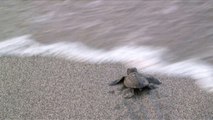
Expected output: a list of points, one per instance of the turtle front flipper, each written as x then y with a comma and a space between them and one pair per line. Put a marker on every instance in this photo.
117, 81
153, 80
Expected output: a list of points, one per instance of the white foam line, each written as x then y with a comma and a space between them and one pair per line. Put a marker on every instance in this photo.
143, 57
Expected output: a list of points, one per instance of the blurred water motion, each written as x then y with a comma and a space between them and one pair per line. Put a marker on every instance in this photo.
183, 28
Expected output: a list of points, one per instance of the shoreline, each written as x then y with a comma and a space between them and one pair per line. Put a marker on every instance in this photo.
47, 88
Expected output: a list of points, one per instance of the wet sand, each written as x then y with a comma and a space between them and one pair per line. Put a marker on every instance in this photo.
47, 88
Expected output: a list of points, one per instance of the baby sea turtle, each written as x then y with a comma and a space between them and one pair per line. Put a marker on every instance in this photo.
135, 80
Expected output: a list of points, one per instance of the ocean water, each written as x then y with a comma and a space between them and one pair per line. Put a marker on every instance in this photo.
172, 37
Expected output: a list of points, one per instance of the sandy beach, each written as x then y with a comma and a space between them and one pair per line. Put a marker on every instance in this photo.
34, 84
47, 88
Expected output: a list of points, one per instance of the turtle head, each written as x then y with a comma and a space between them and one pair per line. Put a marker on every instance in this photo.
131, 70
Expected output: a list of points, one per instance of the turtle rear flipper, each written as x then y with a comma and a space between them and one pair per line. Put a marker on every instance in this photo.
117, 81
129, 93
